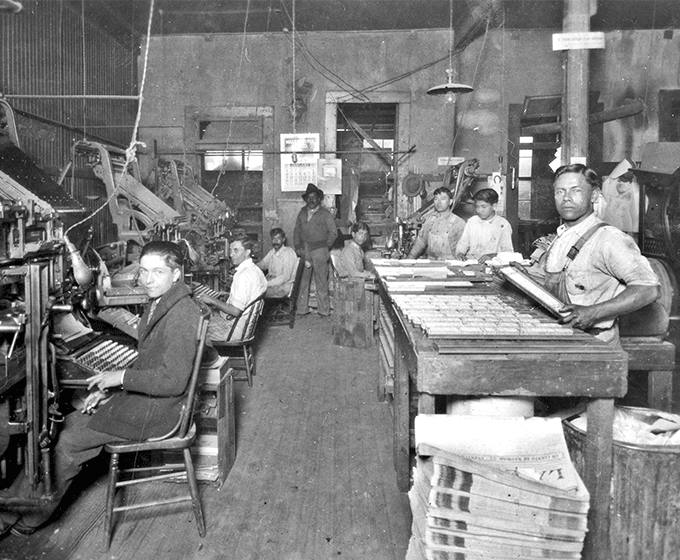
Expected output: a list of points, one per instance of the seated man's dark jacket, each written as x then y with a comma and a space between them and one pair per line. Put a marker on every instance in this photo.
154, 387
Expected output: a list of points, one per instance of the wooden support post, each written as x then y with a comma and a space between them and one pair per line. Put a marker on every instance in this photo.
597, 477
575, 101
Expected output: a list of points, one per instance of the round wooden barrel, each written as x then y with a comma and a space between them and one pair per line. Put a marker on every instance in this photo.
645, 496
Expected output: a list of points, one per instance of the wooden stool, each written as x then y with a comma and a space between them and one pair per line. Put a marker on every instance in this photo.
353, 314
218, 379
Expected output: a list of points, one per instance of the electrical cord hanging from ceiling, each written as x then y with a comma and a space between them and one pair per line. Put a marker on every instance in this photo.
502, 100
338, 81
473, 83
408, 74
314, 62
294, 81
130, 152
82, 34
473, 33
481, 26
237, 83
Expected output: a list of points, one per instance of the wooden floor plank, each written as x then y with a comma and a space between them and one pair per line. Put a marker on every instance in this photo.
313, 477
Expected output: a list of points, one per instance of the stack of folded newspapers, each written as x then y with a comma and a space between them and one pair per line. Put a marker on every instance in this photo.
514, 501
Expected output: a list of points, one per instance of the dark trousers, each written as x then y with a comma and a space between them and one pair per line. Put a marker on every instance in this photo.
319, 260
77, 444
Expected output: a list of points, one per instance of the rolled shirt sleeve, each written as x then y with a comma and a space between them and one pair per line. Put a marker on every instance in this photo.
463, 245
605, 266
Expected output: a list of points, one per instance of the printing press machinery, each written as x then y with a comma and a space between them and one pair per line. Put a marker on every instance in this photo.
458, 178
56, 309
43, 280
212, 221
174, 182
179, 211
35, 285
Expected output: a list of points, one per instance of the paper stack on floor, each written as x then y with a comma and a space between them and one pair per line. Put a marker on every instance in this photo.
497, 488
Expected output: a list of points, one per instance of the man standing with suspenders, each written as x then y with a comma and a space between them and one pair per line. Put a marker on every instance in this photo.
596, 269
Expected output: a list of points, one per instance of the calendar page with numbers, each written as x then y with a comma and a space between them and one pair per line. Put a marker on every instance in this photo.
299, 156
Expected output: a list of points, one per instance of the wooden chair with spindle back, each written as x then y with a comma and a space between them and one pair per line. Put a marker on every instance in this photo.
281, 310
241, 338
180, 438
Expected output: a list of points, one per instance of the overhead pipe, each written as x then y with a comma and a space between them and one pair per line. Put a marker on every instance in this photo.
32, 96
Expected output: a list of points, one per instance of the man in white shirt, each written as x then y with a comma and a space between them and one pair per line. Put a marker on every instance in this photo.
280, 264
486, 234
247, 285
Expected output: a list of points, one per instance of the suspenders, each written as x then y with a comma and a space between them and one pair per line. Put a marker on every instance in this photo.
574, 251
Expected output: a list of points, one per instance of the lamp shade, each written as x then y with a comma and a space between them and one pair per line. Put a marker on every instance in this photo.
449, 87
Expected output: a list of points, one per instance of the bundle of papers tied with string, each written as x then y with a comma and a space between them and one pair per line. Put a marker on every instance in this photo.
496, 488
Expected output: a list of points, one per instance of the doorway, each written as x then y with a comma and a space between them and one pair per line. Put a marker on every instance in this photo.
365, 140
533, 140
368, 151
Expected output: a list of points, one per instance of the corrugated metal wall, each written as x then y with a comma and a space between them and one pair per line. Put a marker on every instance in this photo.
51, 49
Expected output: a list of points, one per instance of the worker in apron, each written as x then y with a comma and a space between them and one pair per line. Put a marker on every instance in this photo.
595, 269
441, 231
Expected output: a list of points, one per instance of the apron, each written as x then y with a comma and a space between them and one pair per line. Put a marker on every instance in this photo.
438, 245
556, 284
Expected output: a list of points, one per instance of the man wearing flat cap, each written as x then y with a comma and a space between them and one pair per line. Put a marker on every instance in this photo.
314, 234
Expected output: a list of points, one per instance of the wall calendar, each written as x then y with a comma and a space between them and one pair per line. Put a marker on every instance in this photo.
299, 155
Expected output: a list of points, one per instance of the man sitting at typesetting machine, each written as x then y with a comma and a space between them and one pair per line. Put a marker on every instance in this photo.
136, 403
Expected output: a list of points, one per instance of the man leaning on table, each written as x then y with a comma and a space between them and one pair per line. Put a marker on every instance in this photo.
441, 231
595, 268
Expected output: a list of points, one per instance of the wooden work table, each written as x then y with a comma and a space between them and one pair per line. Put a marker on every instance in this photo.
576, 366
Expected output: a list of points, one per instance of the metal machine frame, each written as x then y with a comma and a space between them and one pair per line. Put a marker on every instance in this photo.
130, 202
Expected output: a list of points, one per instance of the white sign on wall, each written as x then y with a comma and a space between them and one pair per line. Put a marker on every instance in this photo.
329, 173
580, 40
449, 161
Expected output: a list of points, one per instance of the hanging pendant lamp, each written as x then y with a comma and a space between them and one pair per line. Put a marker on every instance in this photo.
450, 88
